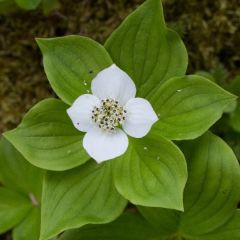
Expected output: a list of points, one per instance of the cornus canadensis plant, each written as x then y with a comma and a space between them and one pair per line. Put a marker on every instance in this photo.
112, 105
134, 85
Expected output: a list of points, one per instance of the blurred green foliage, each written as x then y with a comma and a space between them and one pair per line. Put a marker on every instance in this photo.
10, 6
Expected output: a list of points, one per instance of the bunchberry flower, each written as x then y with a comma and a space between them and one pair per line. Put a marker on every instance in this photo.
110, 113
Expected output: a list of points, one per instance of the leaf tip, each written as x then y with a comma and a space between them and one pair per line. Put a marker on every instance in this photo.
7, 135
10, 136
178, 203
232, 95
41, 43
181, 207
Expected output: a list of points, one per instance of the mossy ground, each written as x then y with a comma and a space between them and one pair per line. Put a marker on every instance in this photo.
210, 29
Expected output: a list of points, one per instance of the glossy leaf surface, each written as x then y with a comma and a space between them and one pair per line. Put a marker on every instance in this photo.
146, 49
71, 63
152, 172
47, 138
78, 197
187, 106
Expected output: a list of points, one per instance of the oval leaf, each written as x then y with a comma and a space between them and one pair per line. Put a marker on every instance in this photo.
211, 194
77, 197
187, 106
235, 118
71, 63
28, 4
29, 228
47, 138
152, 172
16, 173
146, 49
231, 230
13, 208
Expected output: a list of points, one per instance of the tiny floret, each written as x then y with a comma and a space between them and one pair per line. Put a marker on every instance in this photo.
111, 113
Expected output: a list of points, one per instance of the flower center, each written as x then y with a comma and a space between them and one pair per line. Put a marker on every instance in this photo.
109, 114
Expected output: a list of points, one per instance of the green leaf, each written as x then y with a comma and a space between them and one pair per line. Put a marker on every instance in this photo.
233, 139
207, 75
235, 118
28, 4
13, 208
47, 138
211, 194
234, 86
71, 63
146, 49
29, 228
212, 197
7, 6
77, 197
231, 230
152, 172
165, 220
50, 5
130, 226
16, 173
187, 106
23, 184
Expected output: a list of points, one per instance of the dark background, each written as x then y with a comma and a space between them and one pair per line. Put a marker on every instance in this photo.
210, 29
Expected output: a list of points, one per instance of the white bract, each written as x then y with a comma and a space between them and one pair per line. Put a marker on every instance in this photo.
110, 113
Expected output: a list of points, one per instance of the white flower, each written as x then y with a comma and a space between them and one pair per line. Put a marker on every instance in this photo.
111, 106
